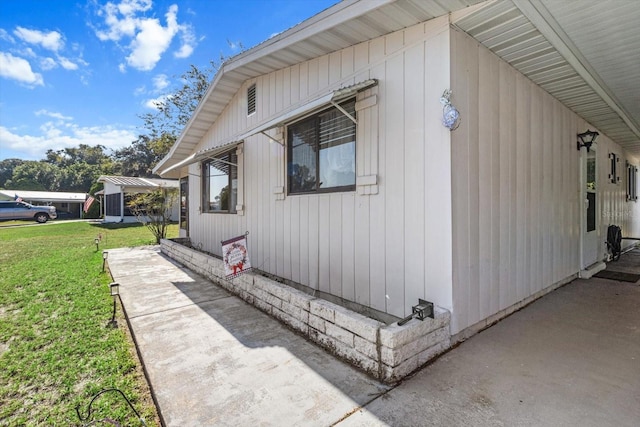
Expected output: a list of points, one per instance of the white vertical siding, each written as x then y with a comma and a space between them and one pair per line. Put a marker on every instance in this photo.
517, 200
386, 247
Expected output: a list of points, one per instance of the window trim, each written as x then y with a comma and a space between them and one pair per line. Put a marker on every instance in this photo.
204, 201
316, 115
183, 221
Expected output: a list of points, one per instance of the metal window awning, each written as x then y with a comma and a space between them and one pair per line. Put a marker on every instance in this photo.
198, 156
298, 110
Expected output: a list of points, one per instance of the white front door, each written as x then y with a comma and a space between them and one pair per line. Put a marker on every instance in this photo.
590, 207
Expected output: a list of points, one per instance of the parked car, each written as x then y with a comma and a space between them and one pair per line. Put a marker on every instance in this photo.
22, 210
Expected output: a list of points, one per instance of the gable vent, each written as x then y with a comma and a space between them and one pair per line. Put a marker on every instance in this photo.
251, 100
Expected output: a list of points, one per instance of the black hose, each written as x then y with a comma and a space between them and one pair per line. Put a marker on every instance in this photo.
100, 394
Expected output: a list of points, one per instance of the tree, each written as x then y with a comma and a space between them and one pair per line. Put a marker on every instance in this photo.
91, 155
36, 175
153, 209
6, 170
142, 155
176, 108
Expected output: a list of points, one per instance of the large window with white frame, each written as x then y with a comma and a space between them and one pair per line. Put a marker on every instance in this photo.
321, 152
220, 183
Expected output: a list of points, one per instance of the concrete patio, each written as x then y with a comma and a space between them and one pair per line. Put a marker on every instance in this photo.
570, 358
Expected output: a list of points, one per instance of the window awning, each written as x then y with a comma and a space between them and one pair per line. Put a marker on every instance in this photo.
198, 156
296, 111
300, 110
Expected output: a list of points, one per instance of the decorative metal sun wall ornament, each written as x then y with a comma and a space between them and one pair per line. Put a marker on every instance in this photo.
450, 114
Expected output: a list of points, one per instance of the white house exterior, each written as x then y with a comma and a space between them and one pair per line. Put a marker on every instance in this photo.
117, 190
479, 220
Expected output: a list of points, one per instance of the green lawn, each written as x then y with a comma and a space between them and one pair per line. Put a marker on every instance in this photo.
56, 352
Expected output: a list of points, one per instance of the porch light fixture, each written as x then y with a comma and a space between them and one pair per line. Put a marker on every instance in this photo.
105, 255
114, 288
587, 138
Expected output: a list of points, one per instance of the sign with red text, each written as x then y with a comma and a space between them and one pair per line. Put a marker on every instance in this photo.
235, 256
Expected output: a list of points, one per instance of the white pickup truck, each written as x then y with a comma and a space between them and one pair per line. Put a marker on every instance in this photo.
22, 210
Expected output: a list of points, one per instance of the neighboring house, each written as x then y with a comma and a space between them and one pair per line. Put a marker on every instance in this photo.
118, 191
68, 205
326, 143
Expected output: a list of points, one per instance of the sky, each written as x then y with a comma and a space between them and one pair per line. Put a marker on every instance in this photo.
83, 71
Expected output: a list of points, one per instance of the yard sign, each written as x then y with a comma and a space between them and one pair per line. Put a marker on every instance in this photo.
235, 256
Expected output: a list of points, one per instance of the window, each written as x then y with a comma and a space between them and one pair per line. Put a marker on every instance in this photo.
322, 152
184, 203
220, 183
113, 203
251, 100
632, 180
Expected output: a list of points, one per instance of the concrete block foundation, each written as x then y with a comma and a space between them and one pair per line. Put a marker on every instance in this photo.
387, 352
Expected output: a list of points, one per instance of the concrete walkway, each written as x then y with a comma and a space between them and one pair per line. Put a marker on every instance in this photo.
571, 358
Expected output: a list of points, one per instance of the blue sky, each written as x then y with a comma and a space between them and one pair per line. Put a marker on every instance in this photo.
82, 71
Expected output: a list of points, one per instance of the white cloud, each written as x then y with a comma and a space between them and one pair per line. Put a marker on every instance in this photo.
160, 82
152, 104
4, 35
48, 63
28, 52
188, 39
67, 64
19, 69
140, 90
117, 28
152, 41
129, 7
54, 115
60, 135
51, 40
149, 38
185, 51
39, 49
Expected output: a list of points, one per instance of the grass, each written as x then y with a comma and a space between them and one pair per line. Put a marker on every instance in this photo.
56, 352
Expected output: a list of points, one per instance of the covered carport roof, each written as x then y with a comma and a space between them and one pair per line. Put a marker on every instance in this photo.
44, 196
133, 183
585, 53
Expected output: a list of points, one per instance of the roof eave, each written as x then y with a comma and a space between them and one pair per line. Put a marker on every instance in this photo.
339, 13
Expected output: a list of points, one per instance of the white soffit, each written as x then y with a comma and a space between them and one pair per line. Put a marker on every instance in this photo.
347, 23
585, 53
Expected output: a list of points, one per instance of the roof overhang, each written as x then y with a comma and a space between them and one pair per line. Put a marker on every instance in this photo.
44, 196
137, 183
584, 53
345, 24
